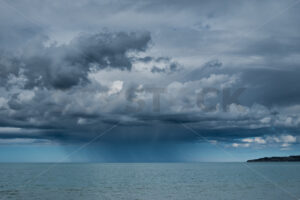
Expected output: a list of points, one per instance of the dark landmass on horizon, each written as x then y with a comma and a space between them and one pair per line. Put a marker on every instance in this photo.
277, 159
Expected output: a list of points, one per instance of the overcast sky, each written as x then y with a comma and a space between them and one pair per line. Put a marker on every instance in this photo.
149, 80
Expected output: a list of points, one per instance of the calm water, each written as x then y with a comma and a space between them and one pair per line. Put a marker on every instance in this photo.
150, 181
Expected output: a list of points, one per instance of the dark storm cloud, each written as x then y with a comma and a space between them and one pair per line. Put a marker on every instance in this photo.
171, 67
64, 66
166, 64
148, 59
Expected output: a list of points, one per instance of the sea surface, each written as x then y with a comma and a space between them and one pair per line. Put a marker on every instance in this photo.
150, 181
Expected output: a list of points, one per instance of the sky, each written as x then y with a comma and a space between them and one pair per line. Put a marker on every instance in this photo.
148, 81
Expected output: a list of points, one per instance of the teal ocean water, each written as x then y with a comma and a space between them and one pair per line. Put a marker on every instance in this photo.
150, 181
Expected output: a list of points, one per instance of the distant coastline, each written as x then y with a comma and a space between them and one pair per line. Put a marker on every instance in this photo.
277, 159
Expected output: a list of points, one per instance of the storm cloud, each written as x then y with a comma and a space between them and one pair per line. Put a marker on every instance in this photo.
63, 66
68, 73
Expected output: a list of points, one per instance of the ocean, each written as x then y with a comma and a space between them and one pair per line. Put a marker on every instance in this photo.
150, 181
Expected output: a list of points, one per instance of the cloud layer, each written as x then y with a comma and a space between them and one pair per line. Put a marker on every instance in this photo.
66, 76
